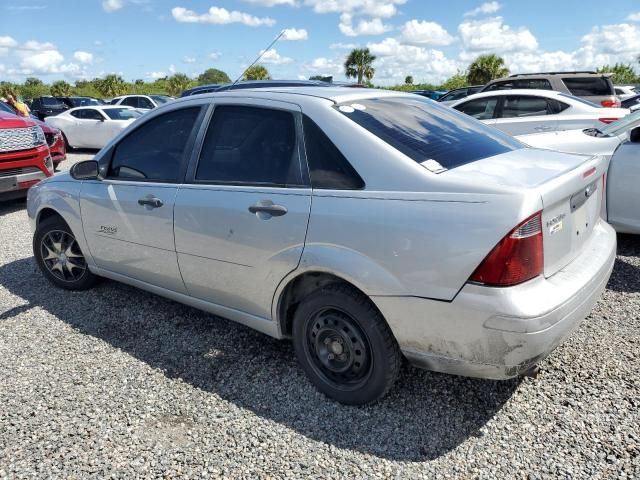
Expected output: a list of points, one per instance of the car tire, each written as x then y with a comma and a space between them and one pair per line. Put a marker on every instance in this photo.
59, 256
345, 346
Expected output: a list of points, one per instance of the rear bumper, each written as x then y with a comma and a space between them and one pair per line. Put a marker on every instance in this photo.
500, 333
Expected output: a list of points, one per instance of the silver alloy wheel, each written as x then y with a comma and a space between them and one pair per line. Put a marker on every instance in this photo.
62, 256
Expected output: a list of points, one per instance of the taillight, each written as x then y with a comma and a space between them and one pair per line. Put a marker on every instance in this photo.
610, 103
608, 120
518, 257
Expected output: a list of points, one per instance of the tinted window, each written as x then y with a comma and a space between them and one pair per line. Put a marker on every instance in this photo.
524, 106
160, 99
130, 102
247, 145
328, 168
630, 102
528, 83
35, 104
455, 95
50, 102
581, 100
77, 113
145, 103
481, 108
91, 114
122, 113
154, 151
556, 106
587, 86
426, 131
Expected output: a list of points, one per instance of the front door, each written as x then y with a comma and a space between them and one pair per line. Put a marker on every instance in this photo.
128, 216
623, 195
241, 217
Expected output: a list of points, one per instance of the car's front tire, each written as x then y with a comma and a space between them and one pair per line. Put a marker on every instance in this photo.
59, 256
345, 346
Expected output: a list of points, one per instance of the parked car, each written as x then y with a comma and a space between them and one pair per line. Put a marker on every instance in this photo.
73, 102
52, 135
43, 107
255, 84
144, 102
93, 127
619, 141
519, 112
458, 94
432, 94
632, 103
24, 155
363, 224
592, 86
625, 91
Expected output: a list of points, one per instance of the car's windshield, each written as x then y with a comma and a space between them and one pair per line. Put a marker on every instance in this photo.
122, 113
623, 125
84, 101
6, 108
159, 99
435, 136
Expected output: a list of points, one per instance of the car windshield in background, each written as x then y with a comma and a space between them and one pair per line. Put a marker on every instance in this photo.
160, 99
623, 125
581, 100
437, 137
588, 86
84, 102
122, 113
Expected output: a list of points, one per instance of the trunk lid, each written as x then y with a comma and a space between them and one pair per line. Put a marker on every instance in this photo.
570, 188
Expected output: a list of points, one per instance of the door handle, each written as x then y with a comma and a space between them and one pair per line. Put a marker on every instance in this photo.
542, 129
150, 201
269, 208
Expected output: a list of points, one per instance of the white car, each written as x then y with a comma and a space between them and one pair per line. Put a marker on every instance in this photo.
143, 102
625, 91
524, 111
92, 127
620, 141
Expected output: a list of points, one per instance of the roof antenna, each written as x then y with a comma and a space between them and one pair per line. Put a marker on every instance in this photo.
257, 59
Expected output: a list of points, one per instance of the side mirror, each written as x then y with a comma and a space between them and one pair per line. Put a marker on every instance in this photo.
87, 170
634, 135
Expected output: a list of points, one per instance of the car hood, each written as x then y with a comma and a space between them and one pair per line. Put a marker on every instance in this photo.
9, 120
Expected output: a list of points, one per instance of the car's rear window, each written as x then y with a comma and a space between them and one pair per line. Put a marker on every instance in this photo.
438, 137
589, 86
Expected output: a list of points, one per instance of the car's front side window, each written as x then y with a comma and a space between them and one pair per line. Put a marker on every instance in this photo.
155, 150
130, 101
145, 103
480, 108
250, 146
523, 106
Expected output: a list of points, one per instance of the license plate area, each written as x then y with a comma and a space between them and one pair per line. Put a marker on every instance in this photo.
7, 183
583, 213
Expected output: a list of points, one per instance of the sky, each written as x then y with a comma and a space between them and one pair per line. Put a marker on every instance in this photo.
148, 39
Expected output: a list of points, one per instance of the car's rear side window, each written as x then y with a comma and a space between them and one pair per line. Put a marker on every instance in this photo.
589, 86
427, 132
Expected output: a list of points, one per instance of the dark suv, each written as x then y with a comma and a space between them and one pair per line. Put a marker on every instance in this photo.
43, 107
593, 86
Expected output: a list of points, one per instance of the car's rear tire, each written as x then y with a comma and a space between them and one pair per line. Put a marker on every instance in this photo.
345, 346
59, 256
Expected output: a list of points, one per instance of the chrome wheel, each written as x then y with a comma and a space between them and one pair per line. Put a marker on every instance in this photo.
338, 349
62, 256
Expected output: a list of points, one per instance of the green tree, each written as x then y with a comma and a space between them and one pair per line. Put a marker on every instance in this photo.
486, 68
213, 75
60, 89
359, 65
622, 74
33, 87
458, 80
177, 83
111, 85
257, 72
408, 80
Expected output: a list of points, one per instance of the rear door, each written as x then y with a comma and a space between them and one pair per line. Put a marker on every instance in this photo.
241, 217
128, 216
524, 114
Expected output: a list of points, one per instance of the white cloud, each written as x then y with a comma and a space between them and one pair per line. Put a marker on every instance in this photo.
634, 17
7, 42
484, 9
188, 59
293, 34
614, 39
363, 27
492, 34
172, 69
215, 55
272, 57
273, 3
35, 46
415, 32
371, 8
112, 5
155, 75
343, 46
325, 67
219, 16
83, 57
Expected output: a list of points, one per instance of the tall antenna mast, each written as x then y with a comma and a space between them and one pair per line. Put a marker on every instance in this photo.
257, 59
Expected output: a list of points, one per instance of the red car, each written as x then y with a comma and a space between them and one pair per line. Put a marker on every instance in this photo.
24, 155
55, 141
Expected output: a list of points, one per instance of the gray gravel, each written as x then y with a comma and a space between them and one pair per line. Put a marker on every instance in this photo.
119, 383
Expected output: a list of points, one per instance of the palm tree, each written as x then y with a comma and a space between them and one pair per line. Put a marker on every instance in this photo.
408, 80
60, 89
359, 64
112, 85
485, 68
177, 83
257, 72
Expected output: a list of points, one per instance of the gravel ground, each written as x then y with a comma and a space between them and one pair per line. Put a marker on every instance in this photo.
119, 383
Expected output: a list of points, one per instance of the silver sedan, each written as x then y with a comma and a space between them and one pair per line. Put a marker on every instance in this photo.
365, 225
